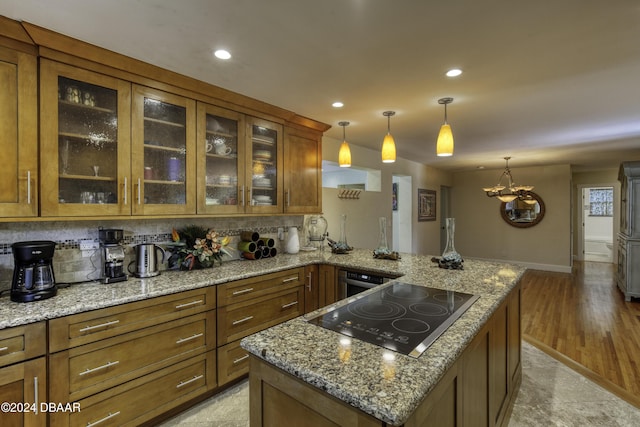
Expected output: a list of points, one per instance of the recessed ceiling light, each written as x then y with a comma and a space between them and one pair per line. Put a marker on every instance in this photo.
337, 104
454, 72
222, 54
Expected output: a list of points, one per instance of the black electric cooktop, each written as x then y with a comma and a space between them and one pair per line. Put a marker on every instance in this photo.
398, 316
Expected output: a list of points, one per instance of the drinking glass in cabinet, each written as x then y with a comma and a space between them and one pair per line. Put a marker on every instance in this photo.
87, 140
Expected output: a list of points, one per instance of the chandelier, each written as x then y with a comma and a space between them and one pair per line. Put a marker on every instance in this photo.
512, 191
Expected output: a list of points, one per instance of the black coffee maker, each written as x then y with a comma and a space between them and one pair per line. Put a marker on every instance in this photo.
33, 277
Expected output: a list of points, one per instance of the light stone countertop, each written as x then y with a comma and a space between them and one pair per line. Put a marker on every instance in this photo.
388, 390
363, 375
94, 295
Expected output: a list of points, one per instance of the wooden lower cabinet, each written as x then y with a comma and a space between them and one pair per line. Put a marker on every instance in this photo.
478, 390
250, 305
144, 398
279, 399
311, 285
24, 383
125, 368
320, 286
233, 362
328, 291
23, 375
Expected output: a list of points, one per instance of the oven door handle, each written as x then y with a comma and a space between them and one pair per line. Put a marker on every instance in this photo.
367, 285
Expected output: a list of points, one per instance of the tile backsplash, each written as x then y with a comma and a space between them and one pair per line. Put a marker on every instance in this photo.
70, 264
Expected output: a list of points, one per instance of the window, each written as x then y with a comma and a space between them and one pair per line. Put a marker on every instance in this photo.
601, 202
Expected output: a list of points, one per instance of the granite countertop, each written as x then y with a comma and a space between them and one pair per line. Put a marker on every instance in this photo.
385, 384
94, 295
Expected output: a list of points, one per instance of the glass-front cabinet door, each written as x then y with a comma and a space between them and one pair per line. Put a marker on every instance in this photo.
264, 163
220, 161
85, 144
163, 153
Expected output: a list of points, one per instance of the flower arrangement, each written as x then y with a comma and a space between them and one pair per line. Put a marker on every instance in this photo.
197, 247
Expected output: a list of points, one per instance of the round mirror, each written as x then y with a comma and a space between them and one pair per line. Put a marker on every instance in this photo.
523, 213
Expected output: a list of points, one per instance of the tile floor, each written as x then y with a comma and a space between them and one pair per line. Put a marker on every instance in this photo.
551, 394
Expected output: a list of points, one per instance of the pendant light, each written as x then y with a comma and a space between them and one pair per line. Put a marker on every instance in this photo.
511, 191
388, 145
344, 156
444, 146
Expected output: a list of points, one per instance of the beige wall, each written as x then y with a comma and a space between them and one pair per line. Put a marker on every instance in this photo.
482, 233
362, 214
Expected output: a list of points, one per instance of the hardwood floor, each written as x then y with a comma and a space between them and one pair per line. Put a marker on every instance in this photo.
582, 319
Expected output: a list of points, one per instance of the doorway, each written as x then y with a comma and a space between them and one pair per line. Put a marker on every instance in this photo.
401, 214
597, 224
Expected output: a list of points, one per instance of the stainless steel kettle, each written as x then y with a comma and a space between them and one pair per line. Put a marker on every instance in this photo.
146, 260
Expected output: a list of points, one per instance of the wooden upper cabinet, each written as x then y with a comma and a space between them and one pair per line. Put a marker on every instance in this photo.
84, 142
163, 153
264, 162
303, 171
18, 134
221, 148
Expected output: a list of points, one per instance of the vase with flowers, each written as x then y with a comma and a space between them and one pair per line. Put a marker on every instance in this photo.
196, 247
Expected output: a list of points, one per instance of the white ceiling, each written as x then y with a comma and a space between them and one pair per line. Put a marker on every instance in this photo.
545, 82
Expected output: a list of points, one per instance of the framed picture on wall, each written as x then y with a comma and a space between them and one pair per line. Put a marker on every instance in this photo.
394, 196
426, 205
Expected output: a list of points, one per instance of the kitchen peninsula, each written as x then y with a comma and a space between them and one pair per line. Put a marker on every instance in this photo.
89, 324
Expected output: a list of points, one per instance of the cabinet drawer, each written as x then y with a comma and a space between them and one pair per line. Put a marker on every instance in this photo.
145, 398
245, 318
233, 362
95, 367
22, 342
78, 329
246, 289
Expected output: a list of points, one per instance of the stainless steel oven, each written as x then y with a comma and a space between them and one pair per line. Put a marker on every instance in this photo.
353, 282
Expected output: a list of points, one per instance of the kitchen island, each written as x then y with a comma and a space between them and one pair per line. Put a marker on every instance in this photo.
303, 373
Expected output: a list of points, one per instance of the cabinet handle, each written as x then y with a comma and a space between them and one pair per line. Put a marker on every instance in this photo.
189, 381
28, 187
291, 304
99, 368
290, 279
236, 322
4, 348
242, 291
240, 359
108, 417
288, 198
242, 195
192, 337
35, 394
188, 304
309, 285
101, 325
125, 191
139, 191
